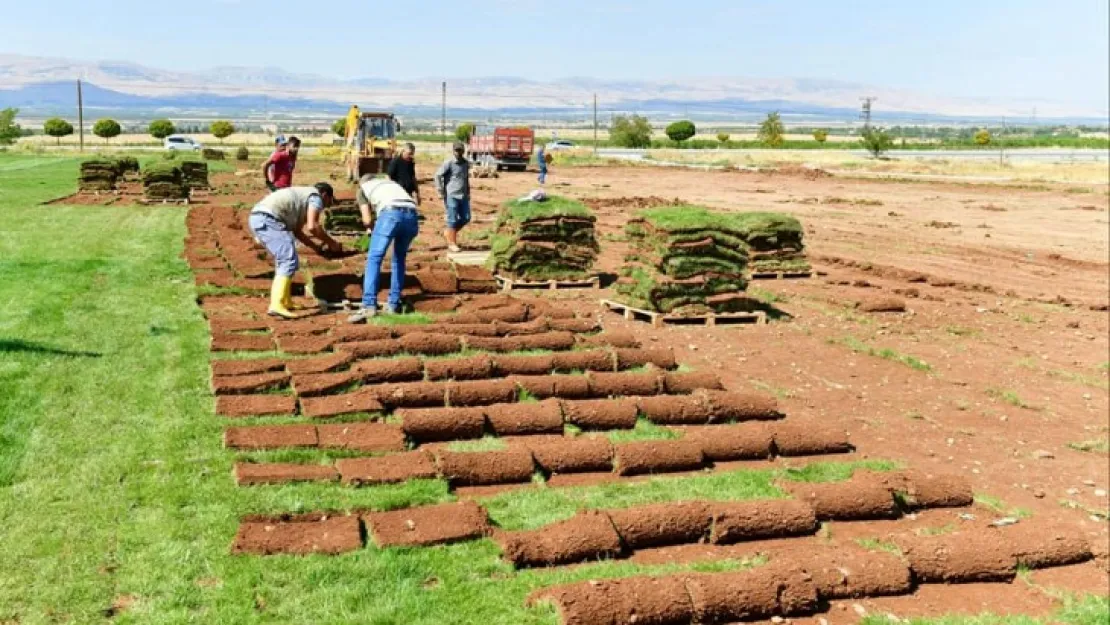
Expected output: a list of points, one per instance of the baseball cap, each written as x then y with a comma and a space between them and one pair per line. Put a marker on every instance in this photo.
280, 139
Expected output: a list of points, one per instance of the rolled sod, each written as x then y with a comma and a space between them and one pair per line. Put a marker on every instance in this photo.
538, 386
305, 344
388, 469
738, 406
412, 394
613, 338
587, 360
601, 414
270, 436
808, 437
853, 500
316, 384
758, 593
656, 525
545, 417
248, 383
738, 441
367, 332
548, 340
329, 535
251, 473
246, 367
378, 348
538, 364
513, 313
1040, 545
752, 520
428, 525
675, 409
632, 358
639, 600
657, 456
482, 468
480, 392
367, 437
623, 384
575, 325
845, 572
360, 401
429, 344
685, 383
470, 368
981, 555
389, 370
442, 424
588, 535
317, 364
255, 405
924, 490
572, 455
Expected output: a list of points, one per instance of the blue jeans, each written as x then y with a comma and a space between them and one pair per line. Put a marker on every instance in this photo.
398, 227
543, 174
458, 212
278, 240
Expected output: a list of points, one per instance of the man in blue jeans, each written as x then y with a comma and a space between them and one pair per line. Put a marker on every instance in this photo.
389, 214
453, 184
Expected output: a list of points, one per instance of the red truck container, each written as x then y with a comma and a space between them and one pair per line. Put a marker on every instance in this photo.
499, 147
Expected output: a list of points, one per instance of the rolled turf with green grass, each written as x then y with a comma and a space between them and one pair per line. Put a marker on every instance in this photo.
550, 240
164, 181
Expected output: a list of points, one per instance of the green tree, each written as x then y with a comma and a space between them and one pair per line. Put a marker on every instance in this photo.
820, 135
57, 127
161, 128
771, 131
465, 131
340, 127
9, 130
876, 140
681, 131
630, 131
106, 129
722, 137
983, 137
221, 129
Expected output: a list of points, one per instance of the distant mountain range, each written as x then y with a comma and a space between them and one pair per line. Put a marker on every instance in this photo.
45, 86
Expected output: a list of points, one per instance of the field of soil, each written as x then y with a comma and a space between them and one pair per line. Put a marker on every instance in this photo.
957, 330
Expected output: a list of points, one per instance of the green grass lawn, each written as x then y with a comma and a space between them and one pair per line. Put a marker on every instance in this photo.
115, 488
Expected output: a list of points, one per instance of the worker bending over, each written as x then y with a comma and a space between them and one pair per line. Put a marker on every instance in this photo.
390, 217
281, 219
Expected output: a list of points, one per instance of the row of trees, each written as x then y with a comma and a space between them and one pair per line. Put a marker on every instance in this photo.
109, 128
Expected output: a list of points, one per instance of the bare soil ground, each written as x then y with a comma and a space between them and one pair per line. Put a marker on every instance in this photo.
998, 369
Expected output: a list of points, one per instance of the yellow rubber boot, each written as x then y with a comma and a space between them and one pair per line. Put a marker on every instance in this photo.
287, 295
278, 291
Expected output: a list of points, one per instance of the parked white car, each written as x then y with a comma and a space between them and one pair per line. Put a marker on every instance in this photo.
177, 142
561, 144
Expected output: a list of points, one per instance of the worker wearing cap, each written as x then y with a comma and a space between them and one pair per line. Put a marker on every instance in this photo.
389, 215
281, 219
453, 183
278, 169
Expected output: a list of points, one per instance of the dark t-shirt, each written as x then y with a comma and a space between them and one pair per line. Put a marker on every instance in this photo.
403, 173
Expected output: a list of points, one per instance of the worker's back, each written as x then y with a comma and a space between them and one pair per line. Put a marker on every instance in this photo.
289, 205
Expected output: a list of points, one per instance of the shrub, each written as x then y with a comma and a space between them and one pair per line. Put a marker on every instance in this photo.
9, 130
630, 132
681, 131
161, 128
221, 129
106, 128
771, 131
983, 137
722, 137
820, 135
876, 141
209, 154
340, 127
242, 153
57, 127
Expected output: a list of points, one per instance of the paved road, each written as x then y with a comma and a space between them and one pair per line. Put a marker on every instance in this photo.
1045, 155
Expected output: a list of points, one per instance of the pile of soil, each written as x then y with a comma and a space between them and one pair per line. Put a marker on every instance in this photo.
549, 240
586, 536
250, 473
99, 174
389, 469
164, 181
428, 525
329, 535
255, 405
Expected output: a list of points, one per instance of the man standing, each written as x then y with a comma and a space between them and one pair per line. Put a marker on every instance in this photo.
453, 183
389, 214
402, 170
278, 169
541, 162
281, 219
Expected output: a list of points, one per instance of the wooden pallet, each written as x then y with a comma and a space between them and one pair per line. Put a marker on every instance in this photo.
508, 284
782, 275
659, 319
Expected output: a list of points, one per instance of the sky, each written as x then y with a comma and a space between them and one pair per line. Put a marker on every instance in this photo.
1053, 50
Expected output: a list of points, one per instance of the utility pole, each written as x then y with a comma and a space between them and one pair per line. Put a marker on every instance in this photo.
80, 118
865, 110
595, 124
443, 115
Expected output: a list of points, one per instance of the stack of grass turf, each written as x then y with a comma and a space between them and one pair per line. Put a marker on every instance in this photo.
684, 259
195, 174
210, 154
774, 242
549, 240
99, 174
128, 165
164, 181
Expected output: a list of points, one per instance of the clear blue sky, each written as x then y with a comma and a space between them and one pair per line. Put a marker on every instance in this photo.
1051, 49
